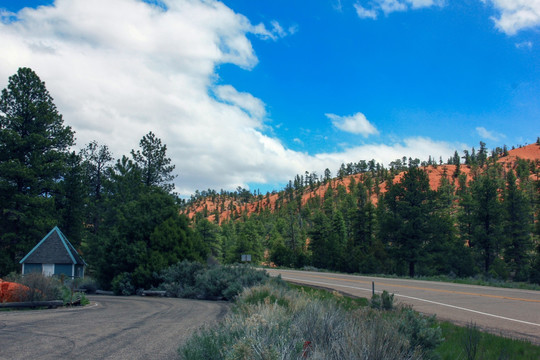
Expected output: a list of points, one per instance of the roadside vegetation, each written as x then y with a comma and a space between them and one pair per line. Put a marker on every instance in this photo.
470, 343
273, 321
193, 280
276, 320
37, 287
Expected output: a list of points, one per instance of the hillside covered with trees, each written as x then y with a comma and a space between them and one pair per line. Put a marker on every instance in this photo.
476, 213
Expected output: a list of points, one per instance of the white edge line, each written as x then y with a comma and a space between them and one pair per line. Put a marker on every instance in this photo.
415, 298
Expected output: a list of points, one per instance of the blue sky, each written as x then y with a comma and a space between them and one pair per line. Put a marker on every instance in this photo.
249, 93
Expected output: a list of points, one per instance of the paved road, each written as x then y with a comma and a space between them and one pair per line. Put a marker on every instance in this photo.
110, 328
514, 313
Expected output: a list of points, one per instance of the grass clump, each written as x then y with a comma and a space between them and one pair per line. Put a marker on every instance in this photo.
273, 321
469, 343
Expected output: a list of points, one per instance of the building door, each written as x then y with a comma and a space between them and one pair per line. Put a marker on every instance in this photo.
48, 269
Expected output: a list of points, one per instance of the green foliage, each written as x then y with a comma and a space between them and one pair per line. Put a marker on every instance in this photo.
143, 236
406, 222
422, 331
122, 284
385, 301
88, 284
193, 280
469, 343
487, 216
70, 297
34, 170
155, 166
471, 340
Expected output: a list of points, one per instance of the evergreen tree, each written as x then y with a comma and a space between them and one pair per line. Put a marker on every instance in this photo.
209, 234
97, 170
487, 218
318, 240
517, 228
34, 147
336, 242
70, 200
406, 222
155, 166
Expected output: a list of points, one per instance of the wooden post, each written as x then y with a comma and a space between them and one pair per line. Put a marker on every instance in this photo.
373, 288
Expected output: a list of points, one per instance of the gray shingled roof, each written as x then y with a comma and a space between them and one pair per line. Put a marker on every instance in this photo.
54, 248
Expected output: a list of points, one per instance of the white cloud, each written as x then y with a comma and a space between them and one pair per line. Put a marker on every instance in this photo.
415, 147
524, 45
355, 124
390, 6
364, 13
337, 5
417, 4
276, 32
119, 69
486, 134
247, 102
516, 15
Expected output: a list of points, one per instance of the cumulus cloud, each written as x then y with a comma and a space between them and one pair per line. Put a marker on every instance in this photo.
516, 15
355, 124
390, 6
490, 135
119, 69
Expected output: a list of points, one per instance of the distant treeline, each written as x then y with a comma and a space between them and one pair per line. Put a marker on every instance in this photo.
488, 225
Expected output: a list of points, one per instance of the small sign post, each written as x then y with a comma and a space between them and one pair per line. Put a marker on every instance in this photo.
246, 258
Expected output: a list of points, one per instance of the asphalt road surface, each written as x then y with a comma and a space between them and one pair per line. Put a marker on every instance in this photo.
109, 328
508, 312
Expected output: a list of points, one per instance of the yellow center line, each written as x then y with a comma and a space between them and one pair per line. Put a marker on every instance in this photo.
422, 288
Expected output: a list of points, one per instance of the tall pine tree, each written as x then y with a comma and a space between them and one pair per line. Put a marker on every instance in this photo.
34, 147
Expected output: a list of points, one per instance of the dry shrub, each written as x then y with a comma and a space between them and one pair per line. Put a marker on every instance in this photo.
37, 287
272, 322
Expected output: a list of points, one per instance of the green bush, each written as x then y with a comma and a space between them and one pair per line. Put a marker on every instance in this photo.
122, 284
179, 280
422, 332
88, 284
193, 280
385, 301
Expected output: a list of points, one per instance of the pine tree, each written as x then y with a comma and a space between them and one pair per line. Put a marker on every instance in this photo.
487, 218
34, 147
96, 161
517, 228
406, 222
155, 166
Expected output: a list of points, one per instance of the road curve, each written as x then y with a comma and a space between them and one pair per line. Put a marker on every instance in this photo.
109, 328
510, 312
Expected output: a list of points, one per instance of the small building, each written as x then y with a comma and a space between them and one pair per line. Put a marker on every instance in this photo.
54, 255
